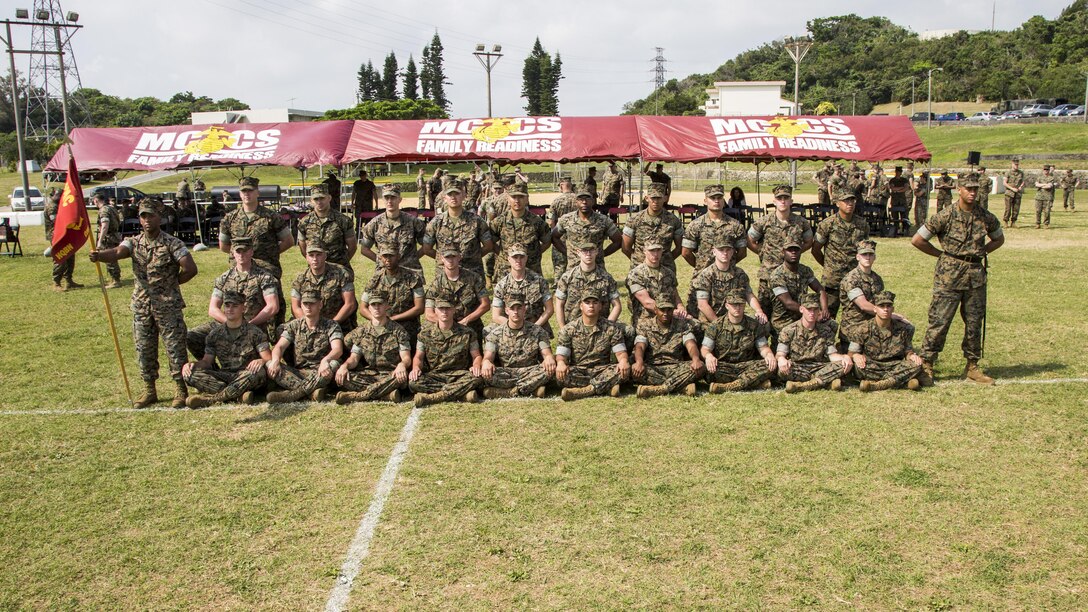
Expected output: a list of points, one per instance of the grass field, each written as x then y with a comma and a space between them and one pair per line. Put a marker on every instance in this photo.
956, 497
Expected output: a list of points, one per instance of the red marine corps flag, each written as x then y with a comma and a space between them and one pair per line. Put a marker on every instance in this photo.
72, 228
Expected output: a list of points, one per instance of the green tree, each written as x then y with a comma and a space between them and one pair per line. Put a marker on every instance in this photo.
826, 108
387, 89
368, 82
540, 77
389, 109
411, 80
432, 75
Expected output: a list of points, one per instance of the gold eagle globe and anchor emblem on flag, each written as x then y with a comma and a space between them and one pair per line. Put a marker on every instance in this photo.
211, 140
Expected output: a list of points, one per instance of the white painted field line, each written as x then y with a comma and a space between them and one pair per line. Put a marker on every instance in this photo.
360, 544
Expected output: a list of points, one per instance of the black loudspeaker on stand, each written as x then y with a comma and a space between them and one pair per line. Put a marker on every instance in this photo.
974, 158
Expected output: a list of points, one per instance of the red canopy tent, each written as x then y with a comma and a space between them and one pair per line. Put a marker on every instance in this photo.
185, 146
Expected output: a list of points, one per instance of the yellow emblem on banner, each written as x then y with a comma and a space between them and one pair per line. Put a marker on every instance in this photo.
211, 140
494, 130
784, 127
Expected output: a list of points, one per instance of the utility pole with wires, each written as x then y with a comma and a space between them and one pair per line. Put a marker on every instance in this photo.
659, 74
53, 74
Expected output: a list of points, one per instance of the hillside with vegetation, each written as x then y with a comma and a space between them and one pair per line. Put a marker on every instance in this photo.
863, 61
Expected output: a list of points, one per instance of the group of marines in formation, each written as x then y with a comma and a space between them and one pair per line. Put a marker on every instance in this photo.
404, 332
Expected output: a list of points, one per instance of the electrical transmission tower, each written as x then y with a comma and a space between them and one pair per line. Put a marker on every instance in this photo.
659, 73
51, 110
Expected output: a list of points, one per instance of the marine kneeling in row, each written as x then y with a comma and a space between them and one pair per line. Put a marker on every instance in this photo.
379, 359
447, 362
518, 358
668, 340
736, 350
584, 353
807, 356
240, 349
318, 343
882, 350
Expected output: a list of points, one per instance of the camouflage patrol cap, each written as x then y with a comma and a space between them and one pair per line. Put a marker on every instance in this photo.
517, 189
566, 180
969, 180
665, 304
736, 296
656, 190
884, 298
585, 245
1016, 160
791, 243
378, 296
315, 246
241, 243
583, 192
309, 296
233, 297
781, 190
247, 183
387, 248
592, 294
515, 299
517, 249
943, 171
444, 303
497, 184
150, 205
713, 190
391, 189
846, 195
653, 245
454, 187
449, 250
320, 190
810, 300
867, 247
722, 243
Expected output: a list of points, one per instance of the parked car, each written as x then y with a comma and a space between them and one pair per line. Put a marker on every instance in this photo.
18, 202
1035, 110
1078, 111
120, 194
1012, 114
923, 116
983, 116
1061, 110
90, 176
951, 117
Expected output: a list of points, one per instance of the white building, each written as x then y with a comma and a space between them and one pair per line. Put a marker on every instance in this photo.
746, 98
935, 34
263, 115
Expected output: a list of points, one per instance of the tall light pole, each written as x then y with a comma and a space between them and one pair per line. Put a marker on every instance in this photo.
1086, 97
797, 48
21, 13
488, 59
929, 113
912, 79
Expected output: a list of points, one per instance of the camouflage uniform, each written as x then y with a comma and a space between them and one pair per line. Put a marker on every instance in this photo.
660, 282
1015, 178
667, 361
333, 284
900, 200
576, 283
876, 188
959, 279
492, 208
333, 231
157, 303
773, 234
737, 348
467, 232
533, 288
839, 240
808, 351
821, 177
588, 351
700, 236
573, 230
612, 180
401, 288
65, 269
921, 200
795, 284
233, 350
561, 205
886, 352
265, 227
111, 237
405, 231
379, 347
448, 359
1069, 191
311, 346
985, 186
519, 357
713, 285
665, 228
465, 293
857, 284
944, 185
1044, 199
254, 287
837, 185
528, 231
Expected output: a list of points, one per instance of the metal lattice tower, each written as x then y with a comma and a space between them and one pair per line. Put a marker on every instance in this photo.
659, 68
51, 74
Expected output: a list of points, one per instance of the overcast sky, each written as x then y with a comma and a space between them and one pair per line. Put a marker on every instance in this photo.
305, 53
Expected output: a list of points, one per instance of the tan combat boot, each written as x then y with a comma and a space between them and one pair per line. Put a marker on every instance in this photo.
576, 393
736, 385
614, 391
497, 393
836, 385
347, 397
975, 374
320, 395
808, 385
150, 396
113, 284
199, 401
59, 287
690, 390
914, 385
925, 377
394, 396
880, 385
647, 391
282, 397
181, 393
540, 391
471, 397
767, 384
71, 284
247, 398
426, 399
